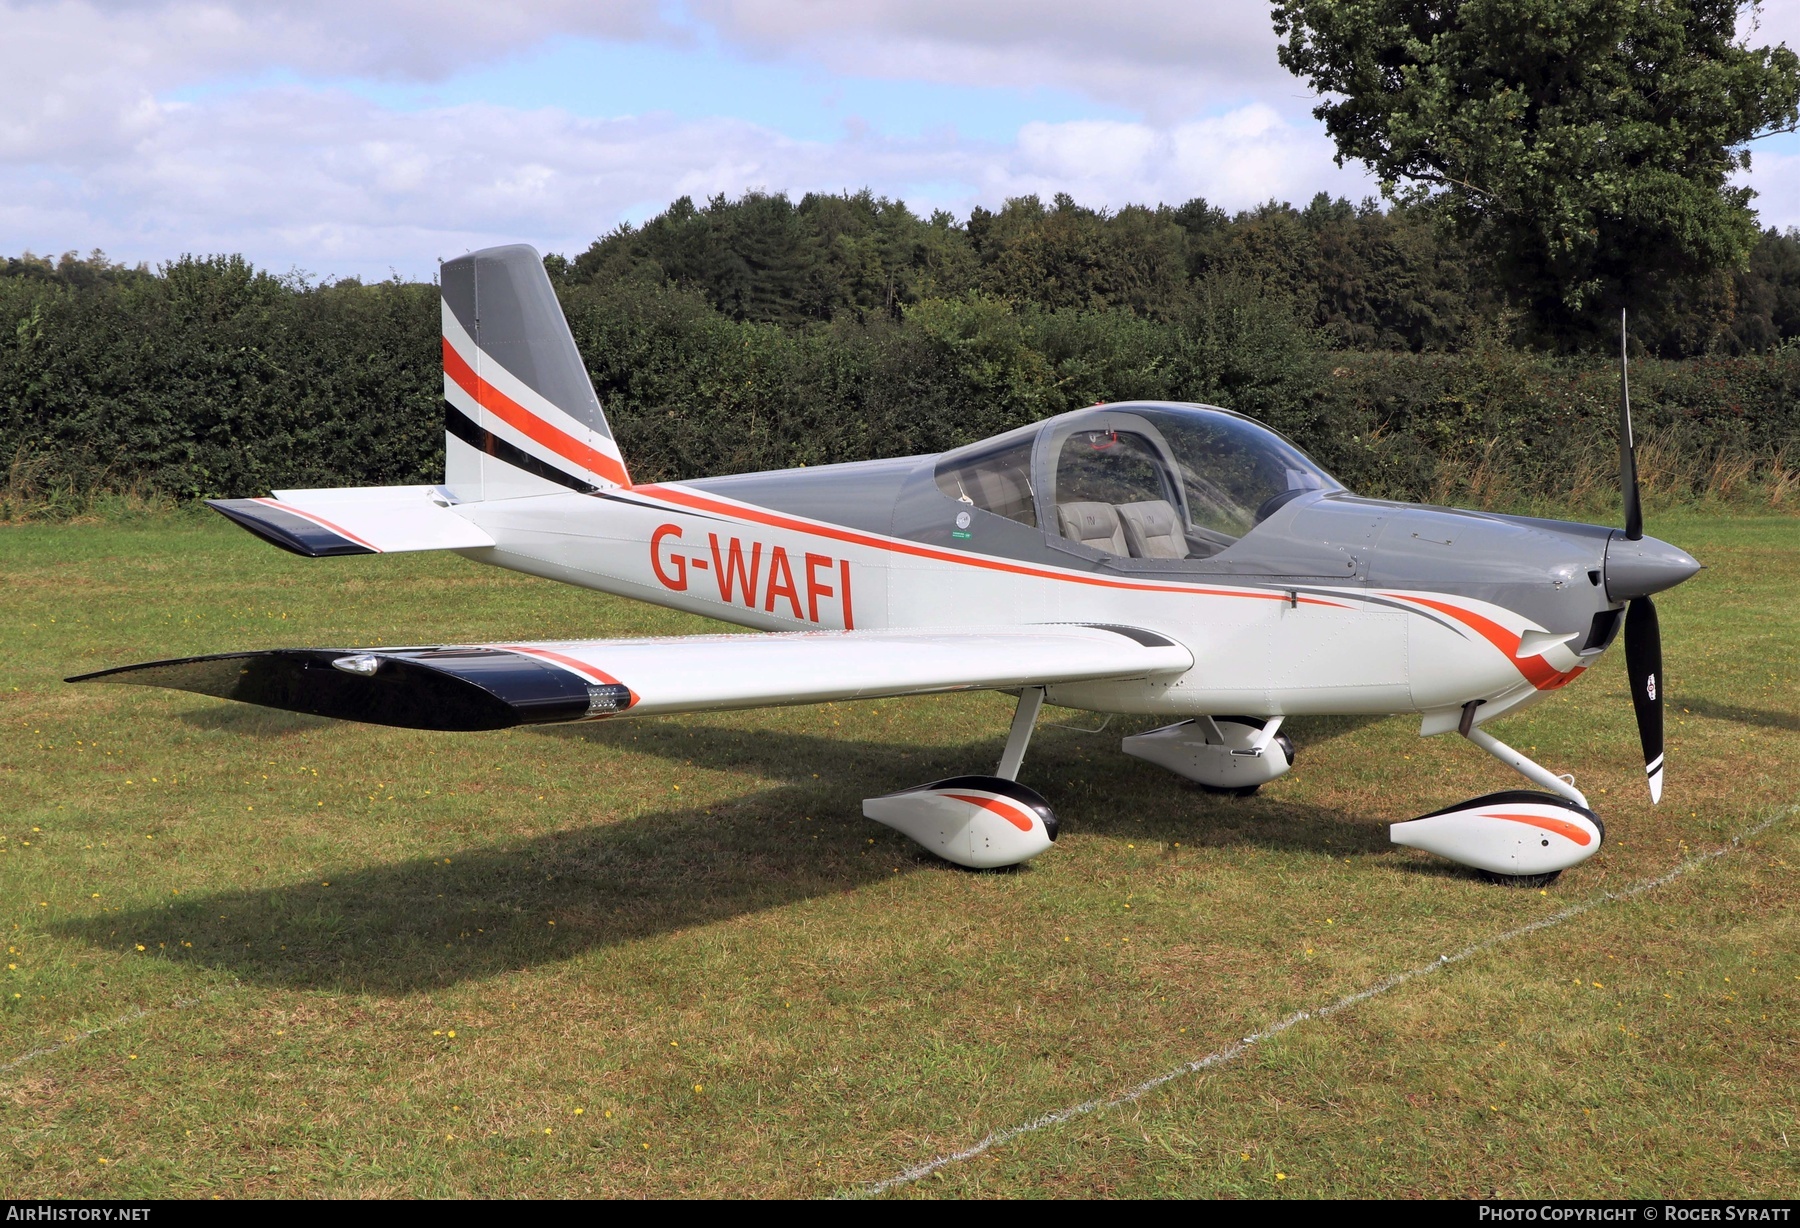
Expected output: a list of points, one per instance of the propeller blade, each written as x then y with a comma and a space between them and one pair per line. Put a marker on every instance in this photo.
1628, 478
1643, 664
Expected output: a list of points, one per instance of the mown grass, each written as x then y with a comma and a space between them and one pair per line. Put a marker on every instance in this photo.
668, 957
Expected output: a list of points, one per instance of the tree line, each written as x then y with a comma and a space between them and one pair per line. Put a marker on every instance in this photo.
762, 332
1363, 277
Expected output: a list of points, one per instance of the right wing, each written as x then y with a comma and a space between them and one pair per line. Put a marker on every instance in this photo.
494, 686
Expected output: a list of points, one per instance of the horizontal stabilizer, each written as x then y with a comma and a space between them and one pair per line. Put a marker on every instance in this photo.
498, 685
355, 520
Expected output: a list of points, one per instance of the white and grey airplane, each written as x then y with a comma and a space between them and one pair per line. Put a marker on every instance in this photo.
1145, 557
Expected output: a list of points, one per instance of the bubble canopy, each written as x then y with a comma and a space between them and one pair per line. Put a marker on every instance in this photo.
1154, 481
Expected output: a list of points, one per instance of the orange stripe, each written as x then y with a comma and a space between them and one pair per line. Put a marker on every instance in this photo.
1537, 671
321, 522
774, 520
1578, 834
527, 423
1005, 810
581, 667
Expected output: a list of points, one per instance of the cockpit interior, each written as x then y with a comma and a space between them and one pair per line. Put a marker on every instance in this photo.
1164, 482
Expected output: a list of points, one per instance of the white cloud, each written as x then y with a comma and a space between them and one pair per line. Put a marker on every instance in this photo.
1776, 178
1164, 58
1236, 160
1773, 21
94, 150
336, 184
84, 78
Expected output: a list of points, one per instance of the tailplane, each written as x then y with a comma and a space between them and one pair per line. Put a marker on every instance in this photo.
356, 520
520, 418
520, 414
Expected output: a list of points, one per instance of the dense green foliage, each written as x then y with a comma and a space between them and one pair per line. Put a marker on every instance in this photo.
1365, 278
764, 333
1587, 144
211, 377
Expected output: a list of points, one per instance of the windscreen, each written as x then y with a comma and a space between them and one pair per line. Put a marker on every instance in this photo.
1233, 472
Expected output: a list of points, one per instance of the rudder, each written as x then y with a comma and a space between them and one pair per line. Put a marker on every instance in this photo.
520, 414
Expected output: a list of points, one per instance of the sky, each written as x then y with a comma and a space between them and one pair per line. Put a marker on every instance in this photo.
375, 137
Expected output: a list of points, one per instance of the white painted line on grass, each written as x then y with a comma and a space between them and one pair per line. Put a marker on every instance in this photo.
120, 1022
1238, 1049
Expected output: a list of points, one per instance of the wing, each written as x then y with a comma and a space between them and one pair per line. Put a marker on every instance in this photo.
494, 686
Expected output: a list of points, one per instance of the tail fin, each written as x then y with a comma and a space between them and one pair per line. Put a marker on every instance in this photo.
520, 414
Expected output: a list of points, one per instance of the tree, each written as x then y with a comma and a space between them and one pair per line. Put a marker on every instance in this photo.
1586, 145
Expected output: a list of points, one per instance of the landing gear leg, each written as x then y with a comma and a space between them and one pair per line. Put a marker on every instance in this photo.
1536, 774
1031, 700
1520, 837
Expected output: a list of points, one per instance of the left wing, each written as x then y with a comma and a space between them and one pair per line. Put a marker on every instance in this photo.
494, 686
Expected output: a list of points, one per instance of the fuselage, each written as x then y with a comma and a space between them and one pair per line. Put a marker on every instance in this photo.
1328, 604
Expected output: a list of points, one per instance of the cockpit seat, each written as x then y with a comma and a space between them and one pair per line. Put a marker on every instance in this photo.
1092, 524
1002, 491
1152, 530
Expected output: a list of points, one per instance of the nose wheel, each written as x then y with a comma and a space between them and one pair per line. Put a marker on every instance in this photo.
1531, 881
1518, 838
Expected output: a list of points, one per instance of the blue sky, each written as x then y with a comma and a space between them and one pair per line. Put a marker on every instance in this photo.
589, 77
378, 136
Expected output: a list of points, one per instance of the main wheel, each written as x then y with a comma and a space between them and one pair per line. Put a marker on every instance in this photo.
1234, 791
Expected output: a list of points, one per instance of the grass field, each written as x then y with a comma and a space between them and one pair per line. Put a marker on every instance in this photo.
253, 953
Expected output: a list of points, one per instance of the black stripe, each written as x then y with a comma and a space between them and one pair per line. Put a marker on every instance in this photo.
1149, 639
646, 504
460, 425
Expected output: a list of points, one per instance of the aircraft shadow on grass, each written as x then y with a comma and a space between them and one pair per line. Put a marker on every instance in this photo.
1766, 718
423, 924
250, 721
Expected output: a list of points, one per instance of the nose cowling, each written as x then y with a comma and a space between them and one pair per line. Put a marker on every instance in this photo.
1645, 566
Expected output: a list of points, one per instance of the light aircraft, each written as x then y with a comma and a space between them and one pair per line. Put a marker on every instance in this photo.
1146, 557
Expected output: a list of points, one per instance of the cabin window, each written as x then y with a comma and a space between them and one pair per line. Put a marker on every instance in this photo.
1109, 467
1107, 481
996, 480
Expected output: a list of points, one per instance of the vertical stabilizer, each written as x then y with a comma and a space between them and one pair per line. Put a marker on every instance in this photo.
520, 414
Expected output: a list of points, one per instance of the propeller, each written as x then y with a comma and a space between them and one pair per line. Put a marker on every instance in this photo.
1643, 636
